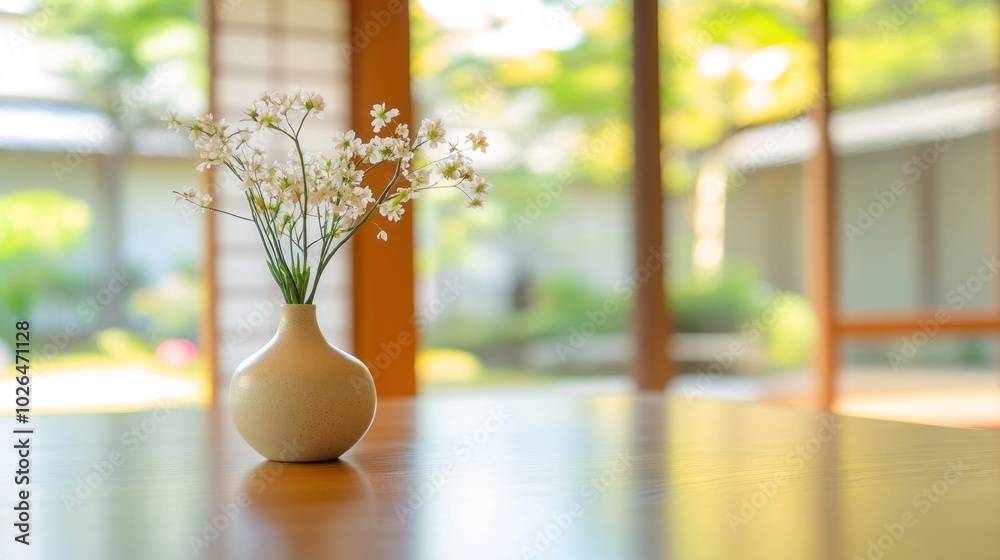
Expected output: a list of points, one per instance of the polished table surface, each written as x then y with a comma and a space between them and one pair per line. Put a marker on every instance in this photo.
515, 475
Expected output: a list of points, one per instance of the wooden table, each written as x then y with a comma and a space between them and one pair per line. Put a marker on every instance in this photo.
515, 476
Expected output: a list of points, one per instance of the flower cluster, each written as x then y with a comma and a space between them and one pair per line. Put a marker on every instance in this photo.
323, 199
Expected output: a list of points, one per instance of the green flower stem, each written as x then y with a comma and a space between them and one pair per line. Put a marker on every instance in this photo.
188, 200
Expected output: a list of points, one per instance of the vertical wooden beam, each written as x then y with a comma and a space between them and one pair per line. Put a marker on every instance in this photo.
207, 336
383, 276
821, 214
652, 369
994, 174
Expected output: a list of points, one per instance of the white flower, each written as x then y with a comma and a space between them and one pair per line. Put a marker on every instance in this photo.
186, 192
382, 117
391, 210
405, 194
381, 149
401, 150
314, 102
264, 113
170, 118
202, 126
419, 179
330, 190
452, 168
193, 195
285, 214
479, 185
431, 131
348, 144
478, 140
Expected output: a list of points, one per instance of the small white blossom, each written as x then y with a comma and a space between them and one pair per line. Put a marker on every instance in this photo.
392, 211
452, 168
329, 188
170, 118
194, 196
314, 102
382, 117
478, 141
479, 185
432, 131
348, 144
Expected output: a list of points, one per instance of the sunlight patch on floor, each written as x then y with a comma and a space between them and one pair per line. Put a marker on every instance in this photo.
105, 389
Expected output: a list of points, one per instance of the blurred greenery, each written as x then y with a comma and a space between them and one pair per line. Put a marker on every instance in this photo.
736, 302
124, 57
558, 304
124, 50
722, 303
38, 229
726, 66
170, 307
41, 223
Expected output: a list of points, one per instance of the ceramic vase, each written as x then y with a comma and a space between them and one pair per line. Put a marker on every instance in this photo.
299, 398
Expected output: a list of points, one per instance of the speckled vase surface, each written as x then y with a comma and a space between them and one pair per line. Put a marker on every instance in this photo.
299, 398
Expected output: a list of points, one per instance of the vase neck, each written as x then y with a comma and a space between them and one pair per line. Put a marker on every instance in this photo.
299, 320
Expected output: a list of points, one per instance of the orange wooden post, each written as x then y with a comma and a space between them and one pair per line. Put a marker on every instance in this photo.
383, 276
652, 369
821, 215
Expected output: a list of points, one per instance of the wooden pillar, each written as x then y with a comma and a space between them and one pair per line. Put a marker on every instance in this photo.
652, 369
208, 323
383, 276
821, 215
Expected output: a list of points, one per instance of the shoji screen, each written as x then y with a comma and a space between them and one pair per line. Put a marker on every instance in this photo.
258, 45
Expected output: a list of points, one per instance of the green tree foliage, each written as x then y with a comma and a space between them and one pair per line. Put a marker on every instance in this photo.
123, 43
37, 229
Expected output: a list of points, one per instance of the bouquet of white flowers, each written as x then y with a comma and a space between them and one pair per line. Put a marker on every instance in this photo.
316, 201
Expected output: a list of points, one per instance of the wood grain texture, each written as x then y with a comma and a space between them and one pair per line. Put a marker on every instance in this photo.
627, 476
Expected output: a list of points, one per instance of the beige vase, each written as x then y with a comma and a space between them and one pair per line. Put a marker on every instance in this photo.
299, 398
